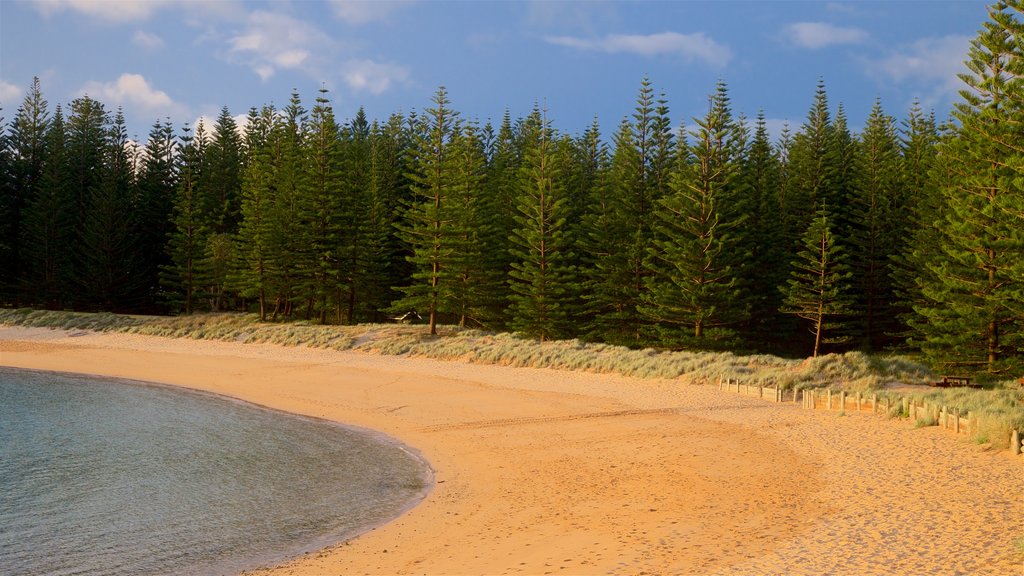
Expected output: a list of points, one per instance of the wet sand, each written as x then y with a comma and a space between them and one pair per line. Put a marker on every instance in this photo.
542, 471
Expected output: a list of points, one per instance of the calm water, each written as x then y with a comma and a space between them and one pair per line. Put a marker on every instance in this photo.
106, 477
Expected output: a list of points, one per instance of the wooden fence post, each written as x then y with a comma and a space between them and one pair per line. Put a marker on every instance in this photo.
829, 404
858, 401
904, 405
956, 420
874, 403
842, 401
1015, 442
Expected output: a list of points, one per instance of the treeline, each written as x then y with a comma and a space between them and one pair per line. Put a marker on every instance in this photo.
710, 236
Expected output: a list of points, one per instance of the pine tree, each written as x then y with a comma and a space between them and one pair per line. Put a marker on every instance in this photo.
26, 145
878, 228
48, 230
254, 265
87, 133
187, 241
222, 178
107, 272
971, 318
919, 143
355, 267
286, 248
637, 179
587, 179
695, 256
426, 228
761, 171
151, 209
503, 153
541, 244
815, 292
386, 265
469, 223
809, 171
322, 210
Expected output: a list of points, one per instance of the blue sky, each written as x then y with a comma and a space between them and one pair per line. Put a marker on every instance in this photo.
185, 60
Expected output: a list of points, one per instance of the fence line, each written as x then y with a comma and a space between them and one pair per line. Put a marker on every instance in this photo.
950, 419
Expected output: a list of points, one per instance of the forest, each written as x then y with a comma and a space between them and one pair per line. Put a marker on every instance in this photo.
710, 235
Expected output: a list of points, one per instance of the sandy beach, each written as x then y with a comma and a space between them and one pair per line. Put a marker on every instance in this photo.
549, 472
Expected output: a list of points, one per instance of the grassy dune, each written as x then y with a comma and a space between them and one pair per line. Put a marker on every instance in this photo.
999, 408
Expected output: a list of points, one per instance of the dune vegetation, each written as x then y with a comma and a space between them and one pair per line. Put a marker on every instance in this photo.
999, 406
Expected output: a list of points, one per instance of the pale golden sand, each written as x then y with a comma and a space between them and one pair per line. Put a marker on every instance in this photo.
541, 471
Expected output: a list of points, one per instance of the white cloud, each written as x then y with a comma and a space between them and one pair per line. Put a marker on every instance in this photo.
815, 35
373, 77
146, 40
365, 11
10, 95
134, 92
930, 63
109, 10
272, 42
696, 46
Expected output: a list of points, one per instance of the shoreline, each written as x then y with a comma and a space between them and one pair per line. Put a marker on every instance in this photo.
544, 471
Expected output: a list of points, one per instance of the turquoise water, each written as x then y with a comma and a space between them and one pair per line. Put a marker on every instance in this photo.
108, 477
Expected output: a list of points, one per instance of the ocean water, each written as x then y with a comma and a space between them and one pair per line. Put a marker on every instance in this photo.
111, 477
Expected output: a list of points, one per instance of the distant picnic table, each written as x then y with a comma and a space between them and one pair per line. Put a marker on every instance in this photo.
955, 381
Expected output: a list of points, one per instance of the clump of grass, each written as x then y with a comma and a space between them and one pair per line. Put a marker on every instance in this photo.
925, 422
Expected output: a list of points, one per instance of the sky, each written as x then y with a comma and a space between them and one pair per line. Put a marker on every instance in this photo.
579, 60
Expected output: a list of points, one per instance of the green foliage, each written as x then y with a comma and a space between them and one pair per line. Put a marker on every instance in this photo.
620, 231
970, 316
816, 290
431, 227
643, 242
541, 243
694, 257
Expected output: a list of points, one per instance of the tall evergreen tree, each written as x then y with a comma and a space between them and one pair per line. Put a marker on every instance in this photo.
971, 318
26, 149
468, 271
254, 263
87, 133
427, 226
186, 243
386, 266
107, 273
809, 171
322, 210
222, 178
637, 179
541, 243
286, 247
695, 256
919, 144
48, 231
151, 209
879, 228
356, 266
816, 286
761, 171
